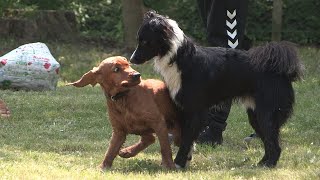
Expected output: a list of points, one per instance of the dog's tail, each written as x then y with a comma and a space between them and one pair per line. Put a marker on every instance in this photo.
280, 57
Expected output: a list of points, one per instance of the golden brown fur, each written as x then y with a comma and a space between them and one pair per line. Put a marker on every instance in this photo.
4, 110
143, 108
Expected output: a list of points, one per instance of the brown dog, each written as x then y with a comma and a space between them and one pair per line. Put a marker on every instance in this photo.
135, 106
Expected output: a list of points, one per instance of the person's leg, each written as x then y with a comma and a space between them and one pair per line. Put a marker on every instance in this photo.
4, 110
212, 13
224, 21
212, 134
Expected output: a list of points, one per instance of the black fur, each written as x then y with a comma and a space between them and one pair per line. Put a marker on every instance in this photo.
211, 75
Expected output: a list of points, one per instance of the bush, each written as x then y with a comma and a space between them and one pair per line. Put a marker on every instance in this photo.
301, 19
100, 18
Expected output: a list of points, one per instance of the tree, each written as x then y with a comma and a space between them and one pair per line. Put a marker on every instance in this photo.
276, 20
132, 15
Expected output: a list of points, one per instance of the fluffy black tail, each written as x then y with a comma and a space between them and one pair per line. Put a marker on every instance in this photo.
279, 57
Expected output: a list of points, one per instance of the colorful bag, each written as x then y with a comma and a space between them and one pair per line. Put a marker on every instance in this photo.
29, 67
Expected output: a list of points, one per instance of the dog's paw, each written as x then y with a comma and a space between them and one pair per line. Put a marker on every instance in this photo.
126, 153
178, 166
267, 164
103, 168
168, 165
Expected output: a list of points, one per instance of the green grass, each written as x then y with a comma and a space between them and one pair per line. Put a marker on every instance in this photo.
64, 134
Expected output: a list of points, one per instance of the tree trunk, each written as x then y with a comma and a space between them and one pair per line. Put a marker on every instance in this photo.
132, 15
276, 20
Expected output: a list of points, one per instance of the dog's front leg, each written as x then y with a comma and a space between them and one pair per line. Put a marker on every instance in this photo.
162, 133
117, 139
190, 130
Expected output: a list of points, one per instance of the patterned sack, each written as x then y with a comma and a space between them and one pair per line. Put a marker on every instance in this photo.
29, 67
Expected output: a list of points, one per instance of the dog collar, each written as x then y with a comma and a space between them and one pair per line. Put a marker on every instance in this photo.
118, 95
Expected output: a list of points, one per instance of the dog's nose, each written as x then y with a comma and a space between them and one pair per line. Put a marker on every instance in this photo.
136, 75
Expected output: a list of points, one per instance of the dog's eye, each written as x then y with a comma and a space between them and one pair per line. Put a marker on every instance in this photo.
116, 69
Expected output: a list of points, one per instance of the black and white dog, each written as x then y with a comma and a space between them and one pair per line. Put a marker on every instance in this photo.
200, 77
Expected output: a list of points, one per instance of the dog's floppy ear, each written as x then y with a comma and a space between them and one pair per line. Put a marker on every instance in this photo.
88, 78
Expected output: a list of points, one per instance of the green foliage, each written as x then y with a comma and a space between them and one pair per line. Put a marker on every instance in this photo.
259, 20
302, 21
102, 18
33, 4
5, 4
45, 4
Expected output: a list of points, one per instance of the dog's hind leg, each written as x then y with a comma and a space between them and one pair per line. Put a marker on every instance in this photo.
273, 108
131, 151
271, 136
268, 130
252, 116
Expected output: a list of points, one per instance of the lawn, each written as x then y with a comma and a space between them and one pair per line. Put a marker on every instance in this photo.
64, 134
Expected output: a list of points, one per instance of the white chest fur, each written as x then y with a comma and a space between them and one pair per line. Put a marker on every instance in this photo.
170, 73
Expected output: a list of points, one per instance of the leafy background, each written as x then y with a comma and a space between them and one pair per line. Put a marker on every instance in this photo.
301, 19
